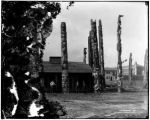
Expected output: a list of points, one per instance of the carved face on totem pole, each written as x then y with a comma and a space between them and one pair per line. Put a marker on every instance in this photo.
95, 73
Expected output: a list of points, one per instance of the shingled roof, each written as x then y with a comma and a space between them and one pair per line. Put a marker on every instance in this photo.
74, 67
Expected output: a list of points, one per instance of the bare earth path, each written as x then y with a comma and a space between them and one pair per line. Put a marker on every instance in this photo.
105, 105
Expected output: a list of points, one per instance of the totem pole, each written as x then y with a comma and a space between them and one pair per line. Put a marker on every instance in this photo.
95, 67
130, 69
119, 49
145, 82
84, 57
94, 44
101, 55
64, 59
90, 52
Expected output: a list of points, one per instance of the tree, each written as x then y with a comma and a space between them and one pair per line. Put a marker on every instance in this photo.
25, 27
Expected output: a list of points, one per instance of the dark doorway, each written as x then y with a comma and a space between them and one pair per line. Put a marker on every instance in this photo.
80, 82
52, 82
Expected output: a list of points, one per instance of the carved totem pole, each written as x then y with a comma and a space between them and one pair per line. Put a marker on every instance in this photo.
145, 82
95, 67
119, 49
84, 57
101, 53
90, 52
64, 59
130, 69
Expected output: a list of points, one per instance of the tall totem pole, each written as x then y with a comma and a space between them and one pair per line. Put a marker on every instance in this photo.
64, 59
84, 55
130, 69
95, 68
119, 49
145, 81
90, 52
101, 53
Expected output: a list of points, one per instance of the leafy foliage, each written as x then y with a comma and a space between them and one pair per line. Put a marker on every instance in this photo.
25, 27
71, 3
20, 21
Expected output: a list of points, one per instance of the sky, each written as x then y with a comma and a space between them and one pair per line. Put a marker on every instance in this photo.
134, 30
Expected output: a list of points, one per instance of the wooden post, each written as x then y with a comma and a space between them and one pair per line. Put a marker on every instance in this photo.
90, 52
130, 69
84, 55
119, 49
145, 81
64, 59
94, 44
101, 54
56, 82
95, 67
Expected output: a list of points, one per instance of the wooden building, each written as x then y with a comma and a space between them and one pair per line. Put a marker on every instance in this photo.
111, 74
110, 77
80, 76
137, 70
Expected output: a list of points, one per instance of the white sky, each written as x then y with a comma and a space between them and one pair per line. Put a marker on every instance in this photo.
134, 30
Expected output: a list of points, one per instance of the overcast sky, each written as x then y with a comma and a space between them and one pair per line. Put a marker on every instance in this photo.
134, 30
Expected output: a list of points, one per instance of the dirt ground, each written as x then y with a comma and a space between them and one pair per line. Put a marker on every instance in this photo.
103, 105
